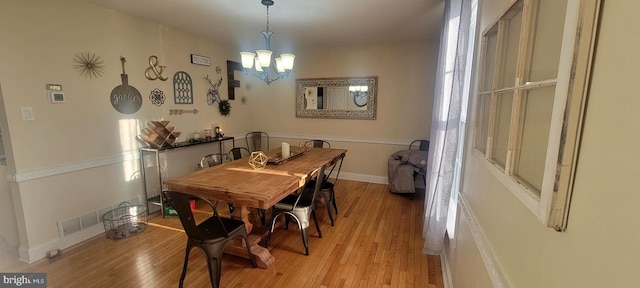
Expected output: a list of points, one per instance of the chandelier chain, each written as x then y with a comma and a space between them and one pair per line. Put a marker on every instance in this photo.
267, 18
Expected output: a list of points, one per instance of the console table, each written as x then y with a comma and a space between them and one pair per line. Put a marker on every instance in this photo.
158, 165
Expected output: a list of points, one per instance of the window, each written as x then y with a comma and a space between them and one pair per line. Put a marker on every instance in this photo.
531, 100
460, 50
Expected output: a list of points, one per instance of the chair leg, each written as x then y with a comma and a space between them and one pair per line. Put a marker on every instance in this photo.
261, 213
214, 269
330, 212
304, 232
287, 218
305, 239
333, 200
251, 257
274, 218
266, 243
213, 253
231, 208
315, 220
184, 267
328, 199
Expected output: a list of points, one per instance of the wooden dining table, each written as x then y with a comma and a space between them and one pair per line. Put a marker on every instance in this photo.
238, 183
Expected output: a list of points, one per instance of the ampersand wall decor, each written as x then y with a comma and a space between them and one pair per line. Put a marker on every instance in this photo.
155, 69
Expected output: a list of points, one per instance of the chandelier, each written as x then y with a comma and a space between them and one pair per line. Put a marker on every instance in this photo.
282, 66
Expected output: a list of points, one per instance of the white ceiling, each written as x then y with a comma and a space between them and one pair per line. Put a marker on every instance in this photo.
295, 23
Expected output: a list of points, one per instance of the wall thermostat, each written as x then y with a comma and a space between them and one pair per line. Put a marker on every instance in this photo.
56, 96
55, 93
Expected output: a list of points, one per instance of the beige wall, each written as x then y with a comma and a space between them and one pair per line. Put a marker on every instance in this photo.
7, 212
599, 248
405, 86
80, 156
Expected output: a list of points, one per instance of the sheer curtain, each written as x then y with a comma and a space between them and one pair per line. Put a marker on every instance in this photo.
447, 103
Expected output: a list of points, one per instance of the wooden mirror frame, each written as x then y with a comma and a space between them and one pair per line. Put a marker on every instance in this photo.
369, 113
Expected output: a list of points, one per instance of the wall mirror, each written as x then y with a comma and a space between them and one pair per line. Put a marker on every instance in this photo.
343, 97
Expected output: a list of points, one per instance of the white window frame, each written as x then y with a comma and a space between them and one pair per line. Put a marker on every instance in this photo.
552, 205
466, 96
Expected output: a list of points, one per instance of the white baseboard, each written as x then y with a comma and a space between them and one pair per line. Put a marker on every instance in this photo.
364, 178
446, 270
32, 254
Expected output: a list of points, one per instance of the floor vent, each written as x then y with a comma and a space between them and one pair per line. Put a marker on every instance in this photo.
74, 224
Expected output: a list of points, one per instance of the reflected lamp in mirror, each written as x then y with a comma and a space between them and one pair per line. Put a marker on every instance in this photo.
342, 97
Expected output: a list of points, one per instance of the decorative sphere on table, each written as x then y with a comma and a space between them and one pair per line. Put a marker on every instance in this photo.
258, 160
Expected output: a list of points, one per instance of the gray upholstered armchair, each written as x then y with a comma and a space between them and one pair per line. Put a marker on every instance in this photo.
403, 167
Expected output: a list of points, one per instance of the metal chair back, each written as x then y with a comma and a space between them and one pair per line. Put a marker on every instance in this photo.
422, 145
257, 141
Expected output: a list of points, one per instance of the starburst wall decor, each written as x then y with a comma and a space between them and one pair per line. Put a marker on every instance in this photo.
88, 65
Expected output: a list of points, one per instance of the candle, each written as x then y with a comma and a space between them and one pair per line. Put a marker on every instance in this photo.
285, 150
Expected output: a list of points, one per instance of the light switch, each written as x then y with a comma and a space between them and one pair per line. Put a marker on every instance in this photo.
27, 113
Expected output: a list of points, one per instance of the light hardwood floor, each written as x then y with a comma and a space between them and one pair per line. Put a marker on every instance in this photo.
376, 242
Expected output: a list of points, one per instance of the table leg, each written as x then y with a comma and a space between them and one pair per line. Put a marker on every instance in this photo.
262, 255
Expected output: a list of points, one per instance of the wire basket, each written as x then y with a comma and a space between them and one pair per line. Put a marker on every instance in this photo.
124, 221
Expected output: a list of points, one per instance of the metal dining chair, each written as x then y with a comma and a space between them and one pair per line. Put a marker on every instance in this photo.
422, 145
300, 206
257, 141
238, 153
327, 190
320, 143
209, 160
211, 235
317, 143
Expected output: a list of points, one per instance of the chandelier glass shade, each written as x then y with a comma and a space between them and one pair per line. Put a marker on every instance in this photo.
262, 60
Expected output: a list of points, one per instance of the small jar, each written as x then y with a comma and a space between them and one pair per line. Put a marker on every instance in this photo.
195, 136
207, 134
